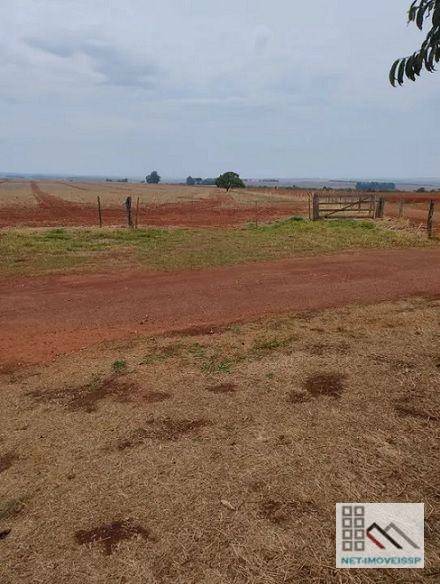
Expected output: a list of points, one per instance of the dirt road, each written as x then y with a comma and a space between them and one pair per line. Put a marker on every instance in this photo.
43, 317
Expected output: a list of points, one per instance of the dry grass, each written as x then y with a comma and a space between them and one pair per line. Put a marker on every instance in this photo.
232, 474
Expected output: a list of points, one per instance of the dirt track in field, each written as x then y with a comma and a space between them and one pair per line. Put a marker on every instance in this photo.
48, 201
46, 316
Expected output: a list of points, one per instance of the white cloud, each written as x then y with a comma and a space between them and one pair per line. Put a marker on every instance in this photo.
116, 65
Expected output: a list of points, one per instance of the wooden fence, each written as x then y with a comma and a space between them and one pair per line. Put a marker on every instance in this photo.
358, 206
350, 206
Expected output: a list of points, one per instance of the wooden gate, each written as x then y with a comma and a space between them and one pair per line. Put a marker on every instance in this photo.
347, 206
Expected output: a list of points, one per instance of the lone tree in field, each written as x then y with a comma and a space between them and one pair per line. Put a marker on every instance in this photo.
190, 181
229, 180
153, 178
420, 12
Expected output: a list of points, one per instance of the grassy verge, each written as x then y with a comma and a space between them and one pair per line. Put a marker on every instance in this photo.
30, 252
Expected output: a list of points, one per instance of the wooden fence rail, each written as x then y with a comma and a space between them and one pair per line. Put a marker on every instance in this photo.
356, 206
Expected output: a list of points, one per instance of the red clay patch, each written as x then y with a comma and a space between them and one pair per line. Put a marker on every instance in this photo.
111, 534
87, 397
328, 384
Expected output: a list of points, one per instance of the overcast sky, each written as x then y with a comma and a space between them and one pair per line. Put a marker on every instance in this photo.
281, 88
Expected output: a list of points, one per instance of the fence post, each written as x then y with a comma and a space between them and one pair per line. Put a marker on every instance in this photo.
430, 217
372, 208
99, 211
315, 207
136, 219
380, 208
128, 208
401, 208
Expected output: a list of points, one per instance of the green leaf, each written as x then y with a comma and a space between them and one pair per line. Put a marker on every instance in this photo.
412, 11
419, 18
409, 69
393, 73
401, 72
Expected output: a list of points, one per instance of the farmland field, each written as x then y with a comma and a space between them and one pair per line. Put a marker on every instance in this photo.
46, 203
64, 203
184, 403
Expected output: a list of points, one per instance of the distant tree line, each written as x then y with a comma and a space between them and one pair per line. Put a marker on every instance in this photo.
375, 186
190, 181
227, 180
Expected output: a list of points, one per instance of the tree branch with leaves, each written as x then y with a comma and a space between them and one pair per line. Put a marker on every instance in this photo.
420, 12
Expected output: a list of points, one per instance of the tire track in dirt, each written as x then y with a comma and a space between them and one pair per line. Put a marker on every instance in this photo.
48, 201
46, 316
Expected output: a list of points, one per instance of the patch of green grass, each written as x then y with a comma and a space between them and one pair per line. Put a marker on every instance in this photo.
215, 366
56, 234
60, 250
215, 359
266, 345
235, 328
119, 366
197, 350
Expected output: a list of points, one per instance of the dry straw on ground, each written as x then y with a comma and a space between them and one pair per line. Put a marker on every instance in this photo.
230, 474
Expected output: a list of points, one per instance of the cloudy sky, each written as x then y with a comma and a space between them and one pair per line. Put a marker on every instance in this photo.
283, 88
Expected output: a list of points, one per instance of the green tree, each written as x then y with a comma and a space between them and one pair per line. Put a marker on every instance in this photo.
153, 178
190, 181
420, 12
229, 180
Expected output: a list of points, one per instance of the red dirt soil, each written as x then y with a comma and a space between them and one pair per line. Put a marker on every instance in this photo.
46, 316
220, 210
